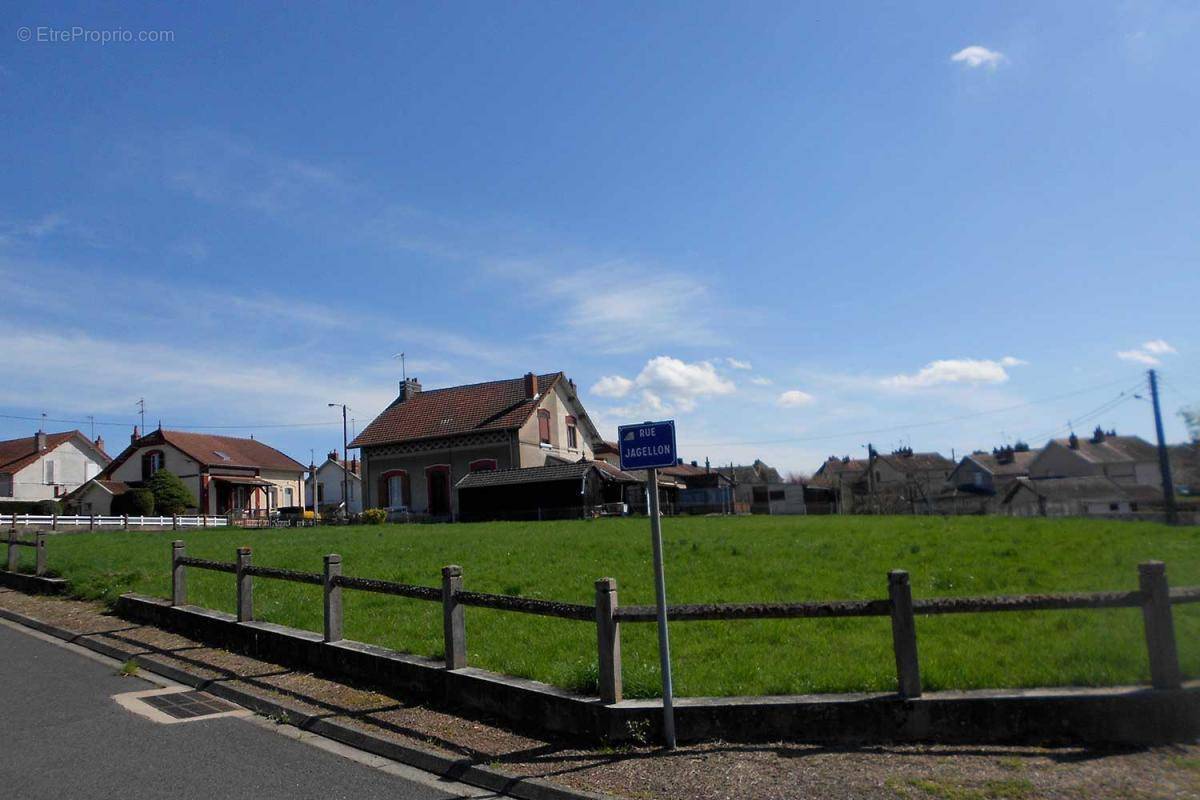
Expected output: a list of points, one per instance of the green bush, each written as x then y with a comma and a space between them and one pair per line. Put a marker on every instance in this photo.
47, 507
373, 516
170, 495
134, 503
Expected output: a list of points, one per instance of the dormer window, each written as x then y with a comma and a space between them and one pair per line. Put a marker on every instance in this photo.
543, 426
152, 462
572, 433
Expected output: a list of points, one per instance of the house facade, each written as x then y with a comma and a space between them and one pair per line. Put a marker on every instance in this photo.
981, 479
904, 482
422, 445
1126, 460
1087, 496
331, 477
843, 478
225, 474
48, 466
760, 489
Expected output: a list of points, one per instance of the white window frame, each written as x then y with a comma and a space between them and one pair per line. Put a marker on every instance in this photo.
49, 469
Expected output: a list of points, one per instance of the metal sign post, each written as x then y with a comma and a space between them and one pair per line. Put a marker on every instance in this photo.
660, 599
649, 446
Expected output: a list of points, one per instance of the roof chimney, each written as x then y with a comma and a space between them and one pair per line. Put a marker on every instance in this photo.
333, 455
1073, 441
409, 387
1098, 435
531, 385
133, 437
40, 440
354, 465
100, 444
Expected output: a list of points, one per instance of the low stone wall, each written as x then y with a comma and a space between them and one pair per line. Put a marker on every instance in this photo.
1096, 716
32, 584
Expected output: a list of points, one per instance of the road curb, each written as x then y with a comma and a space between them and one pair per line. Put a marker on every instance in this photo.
457, 769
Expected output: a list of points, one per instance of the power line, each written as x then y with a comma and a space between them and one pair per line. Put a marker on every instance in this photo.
131, 423
932, 423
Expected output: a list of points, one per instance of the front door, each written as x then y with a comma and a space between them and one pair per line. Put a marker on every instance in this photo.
438, 479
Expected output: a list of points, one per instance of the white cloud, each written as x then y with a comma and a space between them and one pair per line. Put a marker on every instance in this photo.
794, 398
612, 386
955, 370
1148, 353
736, 364
761, 380
664, 384
1158, 347
978, 56
1138, 356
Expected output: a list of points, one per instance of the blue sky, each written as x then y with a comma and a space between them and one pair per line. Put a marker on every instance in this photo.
793, 227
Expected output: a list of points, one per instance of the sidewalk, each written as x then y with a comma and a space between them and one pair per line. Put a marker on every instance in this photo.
708, 771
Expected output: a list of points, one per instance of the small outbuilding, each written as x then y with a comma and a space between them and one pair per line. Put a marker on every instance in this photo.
576, 490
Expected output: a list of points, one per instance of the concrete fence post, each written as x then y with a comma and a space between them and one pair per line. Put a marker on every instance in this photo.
904, 634
454, 627
245, 587
1160, 627
608, 640
39, 549
333, 598
178, 574
12, 550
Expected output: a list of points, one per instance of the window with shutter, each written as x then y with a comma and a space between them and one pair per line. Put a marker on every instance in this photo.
544, 426
572, 435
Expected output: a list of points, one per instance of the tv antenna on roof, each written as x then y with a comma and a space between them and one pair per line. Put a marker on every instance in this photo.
141, 404
403, 367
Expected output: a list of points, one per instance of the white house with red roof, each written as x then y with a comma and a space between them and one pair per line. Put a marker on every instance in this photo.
48, 466
418, 449
332, 477
226, 474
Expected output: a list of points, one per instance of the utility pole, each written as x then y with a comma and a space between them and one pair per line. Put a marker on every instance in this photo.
345, 474
141, 404
1164, 458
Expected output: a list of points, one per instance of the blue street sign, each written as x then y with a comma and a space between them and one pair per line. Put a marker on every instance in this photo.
646, 446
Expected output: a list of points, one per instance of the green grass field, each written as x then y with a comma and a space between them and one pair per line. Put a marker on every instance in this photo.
709, 560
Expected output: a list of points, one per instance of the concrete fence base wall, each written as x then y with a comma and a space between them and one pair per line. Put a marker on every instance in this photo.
32, 584
1131, 715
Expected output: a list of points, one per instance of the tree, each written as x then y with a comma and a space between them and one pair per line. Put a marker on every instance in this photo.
135, 503
1191, 418
170, 495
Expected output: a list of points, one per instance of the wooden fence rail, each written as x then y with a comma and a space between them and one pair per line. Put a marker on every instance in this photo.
1153, 596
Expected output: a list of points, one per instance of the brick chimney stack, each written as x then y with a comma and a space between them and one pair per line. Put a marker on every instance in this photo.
100, 444
133, 437
408, 388
333, 455
531, 385
354, 465
40, 440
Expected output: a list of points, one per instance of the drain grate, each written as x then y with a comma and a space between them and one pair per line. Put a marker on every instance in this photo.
186, 705
178, 704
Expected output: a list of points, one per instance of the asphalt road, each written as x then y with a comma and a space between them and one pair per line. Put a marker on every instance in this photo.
63, 736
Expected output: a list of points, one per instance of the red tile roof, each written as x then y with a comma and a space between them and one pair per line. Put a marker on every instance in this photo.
215, 451
491, 406
16, 454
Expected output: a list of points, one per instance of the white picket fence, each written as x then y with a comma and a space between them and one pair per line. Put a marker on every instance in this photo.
78, 521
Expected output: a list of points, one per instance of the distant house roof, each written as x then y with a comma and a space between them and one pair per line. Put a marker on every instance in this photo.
16, 454
917, 462
214, 451
546, 474
606, 447
1112, 449
1090, 487
758, 472
845, 468
353, 466
433, 413
1019, 465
